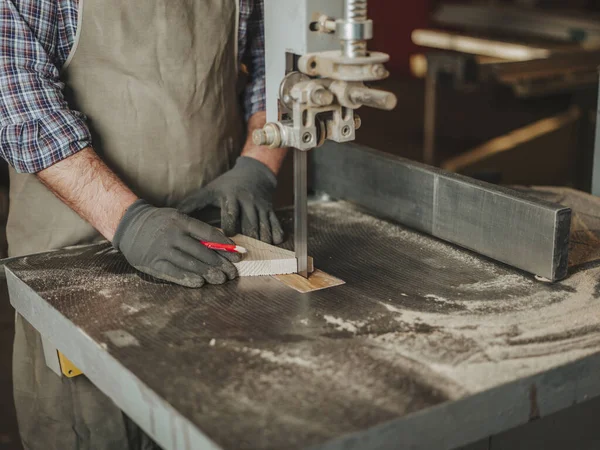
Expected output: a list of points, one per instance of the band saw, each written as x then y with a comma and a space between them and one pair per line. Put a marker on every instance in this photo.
468, 308
317, 62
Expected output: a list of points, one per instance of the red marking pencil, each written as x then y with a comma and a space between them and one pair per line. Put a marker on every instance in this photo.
231, 248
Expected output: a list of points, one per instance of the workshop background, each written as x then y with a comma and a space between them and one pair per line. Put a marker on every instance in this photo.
543, 139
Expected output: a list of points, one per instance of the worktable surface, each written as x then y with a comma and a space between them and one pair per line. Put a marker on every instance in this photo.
426, 345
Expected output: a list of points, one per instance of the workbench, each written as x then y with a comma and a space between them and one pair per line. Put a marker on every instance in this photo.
427, 345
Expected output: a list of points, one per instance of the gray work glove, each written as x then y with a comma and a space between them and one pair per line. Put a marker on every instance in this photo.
165, 243
244, 195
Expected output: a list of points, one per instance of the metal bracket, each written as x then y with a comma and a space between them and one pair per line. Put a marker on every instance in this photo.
337, 66
58, 362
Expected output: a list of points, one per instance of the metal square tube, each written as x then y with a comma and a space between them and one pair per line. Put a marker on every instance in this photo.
494, 221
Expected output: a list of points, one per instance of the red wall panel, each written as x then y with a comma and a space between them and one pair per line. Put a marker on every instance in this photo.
394, 21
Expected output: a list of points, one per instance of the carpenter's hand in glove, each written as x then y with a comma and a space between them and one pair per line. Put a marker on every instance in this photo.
165, 243
244, 195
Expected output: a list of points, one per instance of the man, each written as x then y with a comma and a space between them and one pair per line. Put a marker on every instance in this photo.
157, 81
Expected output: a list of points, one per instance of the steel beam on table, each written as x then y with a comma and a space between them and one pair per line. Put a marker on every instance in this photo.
494, 221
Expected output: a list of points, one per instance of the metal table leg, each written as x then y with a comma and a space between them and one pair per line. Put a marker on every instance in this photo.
431, 84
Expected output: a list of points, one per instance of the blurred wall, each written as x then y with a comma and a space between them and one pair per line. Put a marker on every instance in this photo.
394, 21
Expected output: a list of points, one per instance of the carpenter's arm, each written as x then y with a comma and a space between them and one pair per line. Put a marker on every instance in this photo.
91, 189
39, 133
37, 127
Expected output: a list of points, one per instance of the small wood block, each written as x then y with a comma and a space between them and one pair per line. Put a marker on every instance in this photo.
265, 259
315, 282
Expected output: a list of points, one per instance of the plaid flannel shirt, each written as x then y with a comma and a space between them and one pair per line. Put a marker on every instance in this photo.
37, 128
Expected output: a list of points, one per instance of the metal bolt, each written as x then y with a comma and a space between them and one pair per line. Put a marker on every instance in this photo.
374, 98
325, 24
269, 135
357, 121
346, 130
259, 137
306, 137
379, 71
321, 96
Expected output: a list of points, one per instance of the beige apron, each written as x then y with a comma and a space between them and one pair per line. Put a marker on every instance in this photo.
157, 80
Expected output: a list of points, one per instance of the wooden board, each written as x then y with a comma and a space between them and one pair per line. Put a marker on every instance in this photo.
265, 259
315, 282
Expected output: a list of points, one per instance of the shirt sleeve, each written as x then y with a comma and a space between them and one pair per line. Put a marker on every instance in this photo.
37, 128
255, 91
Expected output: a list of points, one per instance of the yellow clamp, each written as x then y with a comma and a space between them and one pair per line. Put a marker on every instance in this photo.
67, 367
